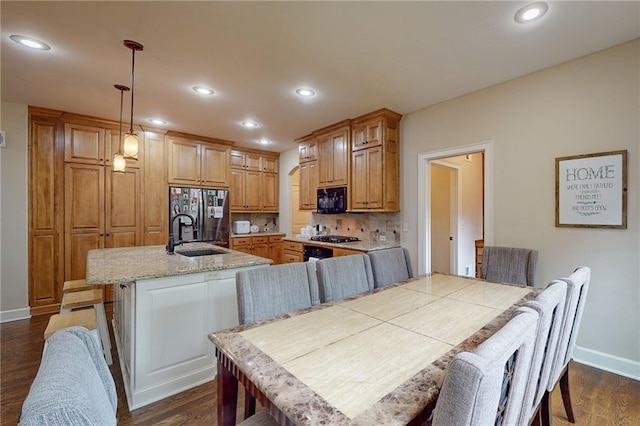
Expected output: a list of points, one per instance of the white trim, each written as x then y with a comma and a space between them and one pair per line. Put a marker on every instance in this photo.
15, 314
424, 197
611, 363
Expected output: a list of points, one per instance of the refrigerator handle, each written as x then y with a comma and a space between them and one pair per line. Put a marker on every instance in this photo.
201, 215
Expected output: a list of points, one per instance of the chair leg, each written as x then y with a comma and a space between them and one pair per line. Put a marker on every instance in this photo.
103, 329
566, 394
545, 410
249, 404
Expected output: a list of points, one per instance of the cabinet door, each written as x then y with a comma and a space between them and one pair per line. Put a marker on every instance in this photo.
236, 190
261, 250
325, 160
154, 183
84, 216
253, 162
84, 144
374, 133
253, 191
46, 241
122, 208
184, 162
309, 185
275, 252
270, 164
215, 166
358, 137
270, 192
374, 178
237, 159
340, 162
358, 187
345, 252
292, 257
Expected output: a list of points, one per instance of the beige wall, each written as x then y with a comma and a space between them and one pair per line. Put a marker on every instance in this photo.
584, 106
14, 297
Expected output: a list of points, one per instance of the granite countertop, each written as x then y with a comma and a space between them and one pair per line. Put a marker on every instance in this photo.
128, 264
356, 245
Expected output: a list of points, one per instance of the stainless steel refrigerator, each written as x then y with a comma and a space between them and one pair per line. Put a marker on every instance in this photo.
209, 208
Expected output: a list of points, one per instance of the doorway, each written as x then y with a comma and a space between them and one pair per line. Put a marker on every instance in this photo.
444, 216
472, 222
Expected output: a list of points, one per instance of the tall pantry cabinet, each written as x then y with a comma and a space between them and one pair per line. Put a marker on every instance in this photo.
78, 203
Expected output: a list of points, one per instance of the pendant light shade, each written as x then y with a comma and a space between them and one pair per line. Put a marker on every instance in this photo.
131, 141
119, 162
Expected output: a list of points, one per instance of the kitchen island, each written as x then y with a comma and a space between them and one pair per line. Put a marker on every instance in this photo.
164, 308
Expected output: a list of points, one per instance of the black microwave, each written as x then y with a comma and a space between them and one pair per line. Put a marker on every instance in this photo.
332, 200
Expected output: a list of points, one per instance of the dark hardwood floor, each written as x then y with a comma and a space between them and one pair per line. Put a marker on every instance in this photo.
599, 398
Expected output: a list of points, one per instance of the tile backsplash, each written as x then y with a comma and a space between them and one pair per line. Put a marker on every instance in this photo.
267, 222
366, 226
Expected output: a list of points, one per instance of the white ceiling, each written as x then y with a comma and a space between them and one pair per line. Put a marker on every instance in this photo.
358, 56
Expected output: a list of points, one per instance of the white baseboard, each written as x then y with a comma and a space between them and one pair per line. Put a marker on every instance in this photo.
15, 315
611, 363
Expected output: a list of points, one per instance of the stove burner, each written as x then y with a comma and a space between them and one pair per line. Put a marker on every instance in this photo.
334, 239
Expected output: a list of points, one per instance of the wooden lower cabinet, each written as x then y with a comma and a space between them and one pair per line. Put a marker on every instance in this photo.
479, 250
292, 252
345, 252
269, 246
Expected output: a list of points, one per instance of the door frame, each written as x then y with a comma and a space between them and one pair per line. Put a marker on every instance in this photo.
424, 196
455, 192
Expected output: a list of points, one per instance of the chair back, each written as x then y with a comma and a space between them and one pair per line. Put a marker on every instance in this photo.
344, 276
577, 288
390, 266
509, 265
487, 386
550, 307
275, 290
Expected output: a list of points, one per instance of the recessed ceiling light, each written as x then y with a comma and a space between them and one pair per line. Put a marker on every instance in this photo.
264, 141
531, 12
250, 124
157, 121
203, 90
305, 92
30, 42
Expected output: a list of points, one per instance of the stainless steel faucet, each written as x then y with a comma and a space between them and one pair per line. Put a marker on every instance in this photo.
172, 244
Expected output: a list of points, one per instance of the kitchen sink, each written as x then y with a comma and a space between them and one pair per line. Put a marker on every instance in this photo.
201, 252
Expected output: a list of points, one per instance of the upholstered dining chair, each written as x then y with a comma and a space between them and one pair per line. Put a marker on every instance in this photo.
577, 288
271, 291
550, 307
487, 386
390, 266
275, 290
509, 265
344, 276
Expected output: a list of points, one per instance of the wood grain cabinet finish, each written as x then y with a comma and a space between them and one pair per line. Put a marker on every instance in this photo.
154, 187
333, 155
337, 251
307, 151
375, 159
254, 181
46, 212
198, 163
268, 246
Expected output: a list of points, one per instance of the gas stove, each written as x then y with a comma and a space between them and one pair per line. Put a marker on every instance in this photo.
334, 239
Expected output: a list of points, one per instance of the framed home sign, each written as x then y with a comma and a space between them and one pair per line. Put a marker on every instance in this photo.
591, 190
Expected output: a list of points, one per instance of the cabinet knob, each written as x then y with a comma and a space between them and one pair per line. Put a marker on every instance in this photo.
102, 235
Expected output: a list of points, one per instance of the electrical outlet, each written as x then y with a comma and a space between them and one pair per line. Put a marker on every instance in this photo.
405, 226
383, 238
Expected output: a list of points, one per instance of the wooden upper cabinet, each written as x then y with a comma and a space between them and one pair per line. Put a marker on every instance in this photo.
154, 188
309, 186
375, 162
84, 144
333, 155
367, 134
270, 164
270, 192
246, 160
307, 149
214, 168
254, 181
122, 208
195, 163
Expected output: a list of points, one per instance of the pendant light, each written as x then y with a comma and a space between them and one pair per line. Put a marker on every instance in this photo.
119, 162
131, 141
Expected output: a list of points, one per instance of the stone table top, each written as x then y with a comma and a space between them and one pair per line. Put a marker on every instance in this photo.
129, 264
377, 358
355, 245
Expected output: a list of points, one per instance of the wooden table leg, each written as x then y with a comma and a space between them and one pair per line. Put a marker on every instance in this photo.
227, 386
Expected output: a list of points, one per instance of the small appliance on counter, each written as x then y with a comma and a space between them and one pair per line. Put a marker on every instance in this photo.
255, 229
241, 227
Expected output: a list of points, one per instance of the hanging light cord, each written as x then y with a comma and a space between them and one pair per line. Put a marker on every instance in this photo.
120, 131
133, 66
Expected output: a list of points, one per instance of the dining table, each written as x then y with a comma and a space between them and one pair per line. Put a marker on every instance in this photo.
379, 357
